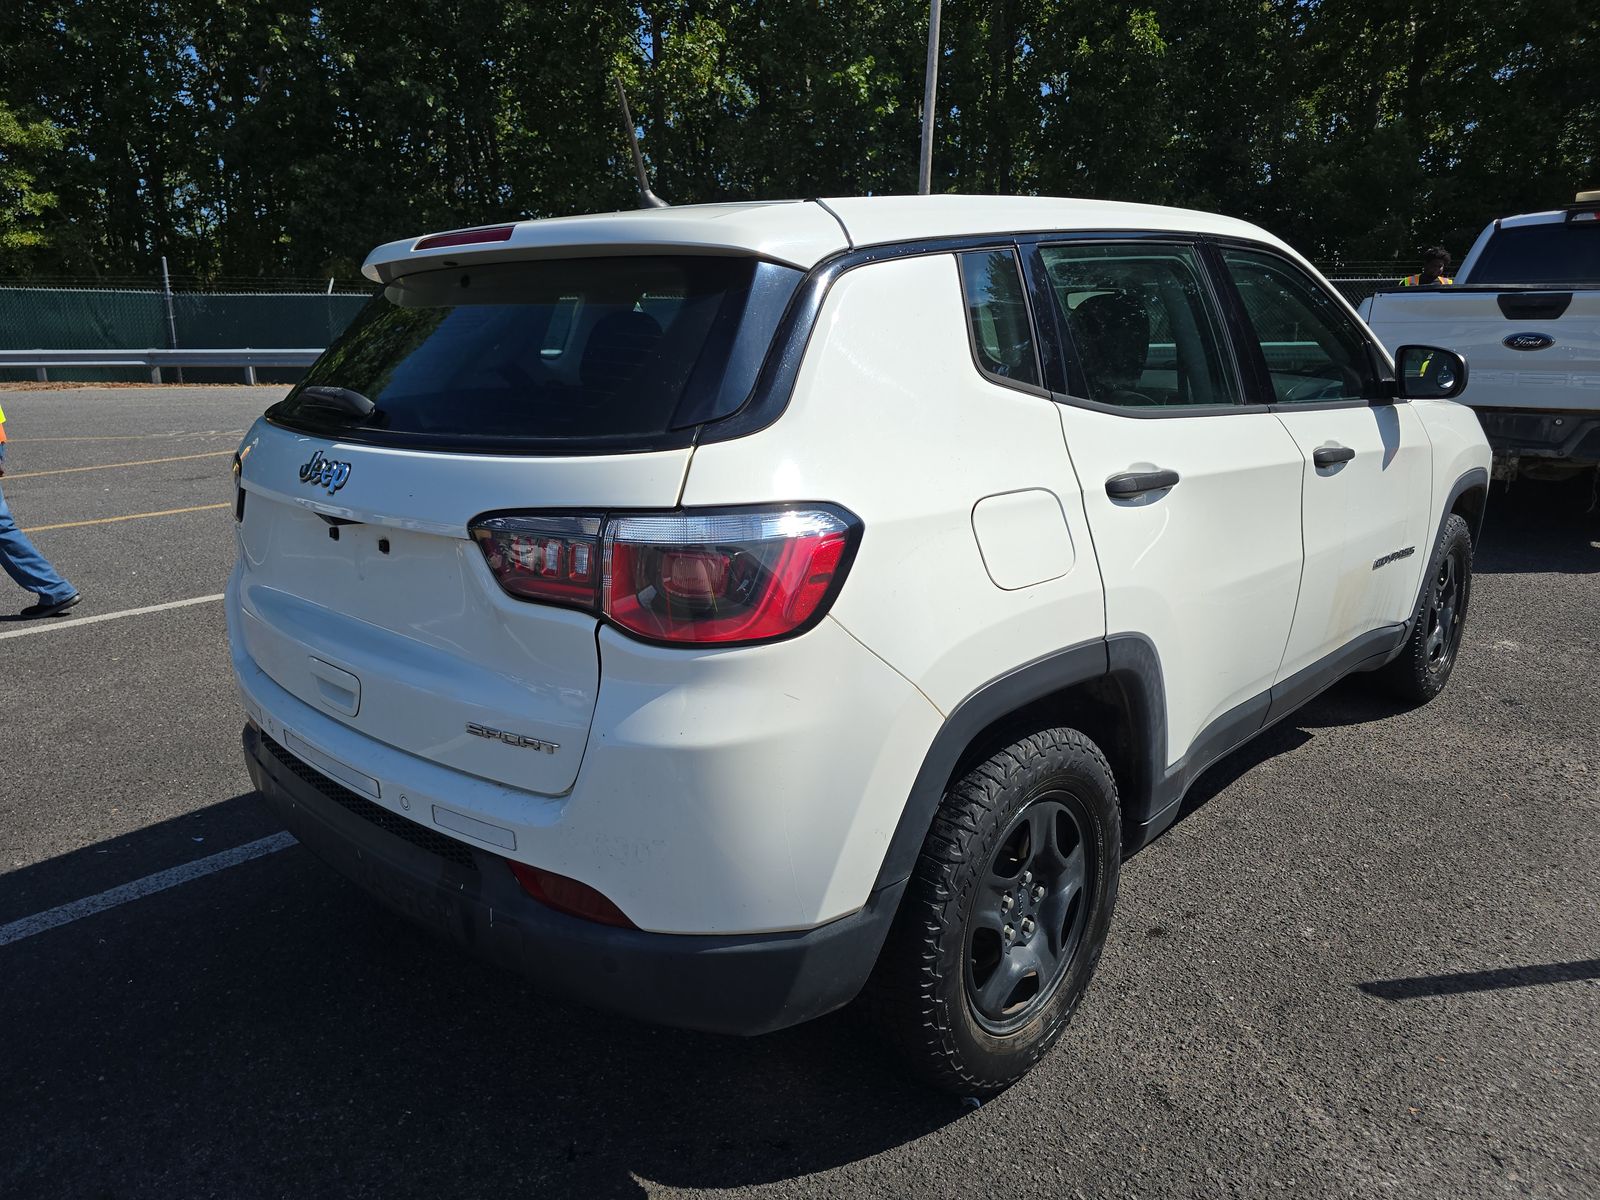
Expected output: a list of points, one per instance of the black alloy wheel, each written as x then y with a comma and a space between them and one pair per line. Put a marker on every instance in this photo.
1424, 664
1005, 914
1029, 914
1445, 610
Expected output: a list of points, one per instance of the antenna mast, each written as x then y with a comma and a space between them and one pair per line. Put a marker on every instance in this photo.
647, 198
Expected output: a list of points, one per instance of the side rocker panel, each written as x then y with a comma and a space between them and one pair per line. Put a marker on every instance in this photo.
1153, 790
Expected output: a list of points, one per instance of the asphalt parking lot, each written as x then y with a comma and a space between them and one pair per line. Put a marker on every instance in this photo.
1366, 963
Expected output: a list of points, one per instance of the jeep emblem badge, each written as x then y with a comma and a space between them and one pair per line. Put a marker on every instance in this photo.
324, 472
1528, 341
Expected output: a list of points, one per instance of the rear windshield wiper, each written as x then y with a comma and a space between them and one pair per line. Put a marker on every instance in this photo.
343, 400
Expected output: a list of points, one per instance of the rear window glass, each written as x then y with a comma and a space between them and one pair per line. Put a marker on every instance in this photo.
616, 352
997, 315
1564, 253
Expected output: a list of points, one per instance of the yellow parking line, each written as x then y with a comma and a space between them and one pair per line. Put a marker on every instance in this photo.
143, 462
165, 512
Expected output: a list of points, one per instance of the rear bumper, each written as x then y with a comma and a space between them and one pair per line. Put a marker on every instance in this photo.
1569, 435
745, 984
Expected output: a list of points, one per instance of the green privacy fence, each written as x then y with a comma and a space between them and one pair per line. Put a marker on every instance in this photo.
110, 319
34, 318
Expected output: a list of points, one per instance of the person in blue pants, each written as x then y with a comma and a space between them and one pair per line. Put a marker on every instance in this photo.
24, 563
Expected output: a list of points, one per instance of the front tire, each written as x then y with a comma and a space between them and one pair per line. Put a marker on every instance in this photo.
1425, 665
1005, 915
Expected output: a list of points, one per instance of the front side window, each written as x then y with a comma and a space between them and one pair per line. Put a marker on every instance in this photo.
1141, 325
997, 314
1314, 351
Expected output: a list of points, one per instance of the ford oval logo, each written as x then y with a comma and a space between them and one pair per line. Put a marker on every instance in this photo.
1529, 341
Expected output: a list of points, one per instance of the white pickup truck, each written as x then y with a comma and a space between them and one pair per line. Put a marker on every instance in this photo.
1525, 314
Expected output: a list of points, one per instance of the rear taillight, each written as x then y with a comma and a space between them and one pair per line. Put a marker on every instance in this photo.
550, 558
725, 577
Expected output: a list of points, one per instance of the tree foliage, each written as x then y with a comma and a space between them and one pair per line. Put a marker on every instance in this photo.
243, 137
24, 150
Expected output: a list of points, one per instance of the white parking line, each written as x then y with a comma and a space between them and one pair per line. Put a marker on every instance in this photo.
65, 914
142, 437
55, 624
141, 462
165, 512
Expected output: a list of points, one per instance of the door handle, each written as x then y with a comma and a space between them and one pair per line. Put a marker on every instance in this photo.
1327, 456
1137, 483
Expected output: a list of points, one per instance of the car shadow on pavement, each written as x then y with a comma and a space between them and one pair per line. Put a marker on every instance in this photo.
1532, 527
1220, 776
269, 1030
1356, 700
1482, 981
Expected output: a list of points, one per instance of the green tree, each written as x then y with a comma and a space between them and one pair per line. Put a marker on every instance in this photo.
249, 137
24, 207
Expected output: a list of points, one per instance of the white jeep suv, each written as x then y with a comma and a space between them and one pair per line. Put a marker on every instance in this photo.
721, 612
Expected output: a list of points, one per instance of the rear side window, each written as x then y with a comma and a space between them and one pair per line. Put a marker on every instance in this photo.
1313, 350
1565, 253
997, 315
614, 352
1142, 326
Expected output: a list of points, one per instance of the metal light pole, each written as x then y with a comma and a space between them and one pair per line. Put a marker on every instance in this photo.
929, 88
172, 321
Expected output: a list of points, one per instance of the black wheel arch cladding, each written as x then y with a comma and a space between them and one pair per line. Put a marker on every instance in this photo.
1131, 669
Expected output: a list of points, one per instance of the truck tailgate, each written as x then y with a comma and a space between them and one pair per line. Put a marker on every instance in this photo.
1529, 349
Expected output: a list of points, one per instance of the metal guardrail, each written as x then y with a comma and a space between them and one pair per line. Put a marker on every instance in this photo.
154, 360
247, 360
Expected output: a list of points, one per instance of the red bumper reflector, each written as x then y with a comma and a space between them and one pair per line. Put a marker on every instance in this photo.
569, 896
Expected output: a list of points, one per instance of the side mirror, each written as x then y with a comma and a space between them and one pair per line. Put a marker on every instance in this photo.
1429, 373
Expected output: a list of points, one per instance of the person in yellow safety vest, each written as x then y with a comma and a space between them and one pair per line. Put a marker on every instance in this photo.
1435, 262
24, 563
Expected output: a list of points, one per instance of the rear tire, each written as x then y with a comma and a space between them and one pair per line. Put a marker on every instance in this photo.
1005, 915
1424, 666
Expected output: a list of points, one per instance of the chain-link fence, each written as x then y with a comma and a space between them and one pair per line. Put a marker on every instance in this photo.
1358, 289
147, 282
34, 318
